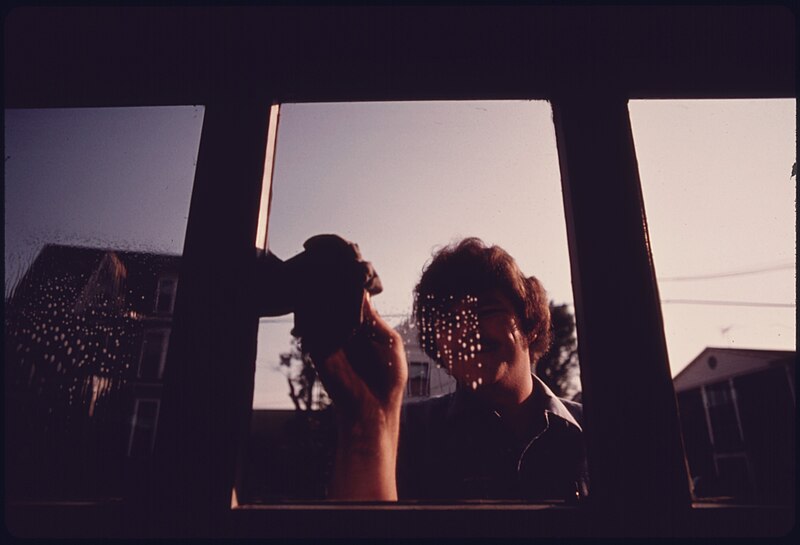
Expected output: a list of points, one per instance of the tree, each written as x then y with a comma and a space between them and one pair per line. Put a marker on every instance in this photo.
558, 367
305, 388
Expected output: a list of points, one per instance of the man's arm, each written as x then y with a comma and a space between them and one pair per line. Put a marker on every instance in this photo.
366, 381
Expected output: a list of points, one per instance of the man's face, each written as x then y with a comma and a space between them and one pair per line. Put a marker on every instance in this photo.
479, 339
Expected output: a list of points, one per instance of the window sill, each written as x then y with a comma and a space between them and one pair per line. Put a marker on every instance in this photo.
405, 519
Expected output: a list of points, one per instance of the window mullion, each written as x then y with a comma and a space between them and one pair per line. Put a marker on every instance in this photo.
210, 366
636, 460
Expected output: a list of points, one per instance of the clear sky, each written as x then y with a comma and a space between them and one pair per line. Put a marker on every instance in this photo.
401, 179
721, 203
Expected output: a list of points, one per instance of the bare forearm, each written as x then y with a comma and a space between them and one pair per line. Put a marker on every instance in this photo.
365, 465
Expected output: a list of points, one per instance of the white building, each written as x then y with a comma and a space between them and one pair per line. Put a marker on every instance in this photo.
425, 378
737, 409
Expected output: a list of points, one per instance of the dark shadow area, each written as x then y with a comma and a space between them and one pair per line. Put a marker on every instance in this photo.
86, 334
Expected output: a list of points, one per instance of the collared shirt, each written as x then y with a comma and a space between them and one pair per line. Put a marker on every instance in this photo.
453, 447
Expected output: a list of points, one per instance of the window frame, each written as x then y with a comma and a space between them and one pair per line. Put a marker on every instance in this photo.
166, 280
136, 405
163, 334
424, 385
210, 362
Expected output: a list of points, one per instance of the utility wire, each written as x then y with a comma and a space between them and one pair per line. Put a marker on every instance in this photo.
727, 303
727, 274
287, 320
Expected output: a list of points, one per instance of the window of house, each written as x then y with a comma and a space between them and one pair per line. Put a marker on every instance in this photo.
718, 180
165, 295
401, 180
725, 428
154, 354
144, 422
96, 211
418, 379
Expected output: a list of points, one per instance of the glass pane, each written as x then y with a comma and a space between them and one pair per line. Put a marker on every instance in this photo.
401, 180
143, 430
96, 203
719, 183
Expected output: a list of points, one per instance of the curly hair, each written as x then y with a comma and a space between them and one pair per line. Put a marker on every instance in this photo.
470, 267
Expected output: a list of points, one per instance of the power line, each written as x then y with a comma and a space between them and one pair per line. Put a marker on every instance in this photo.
728, 303
727, 274
288, 320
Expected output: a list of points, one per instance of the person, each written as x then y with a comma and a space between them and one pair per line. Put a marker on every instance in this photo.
501, 435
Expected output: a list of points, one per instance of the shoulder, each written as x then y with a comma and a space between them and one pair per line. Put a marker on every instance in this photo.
427, 410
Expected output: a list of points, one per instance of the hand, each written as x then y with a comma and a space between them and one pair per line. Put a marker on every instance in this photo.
366, 380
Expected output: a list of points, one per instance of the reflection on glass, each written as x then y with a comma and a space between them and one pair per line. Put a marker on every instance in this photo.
400, 180
718, 179
96, 208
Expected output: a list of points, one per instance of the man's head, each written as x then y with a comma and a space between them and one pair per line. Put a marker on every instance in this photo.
477, 314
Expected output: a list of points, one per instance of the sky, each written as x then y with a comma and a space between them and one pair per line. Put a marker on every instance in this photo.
401, 179
101, 177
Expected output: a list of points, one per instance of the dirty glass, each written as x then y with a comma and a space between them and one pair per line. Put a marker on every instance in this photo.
401, 180
96, 204
719, 185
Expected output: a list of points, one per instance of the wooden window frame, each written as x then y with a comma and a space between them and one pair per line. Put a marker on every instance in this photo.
640, 484
171, 307
164, 334
136, 404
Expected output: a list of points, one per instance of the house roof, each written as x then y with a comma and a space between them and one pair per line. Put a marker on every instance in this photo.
717, 364
64, 271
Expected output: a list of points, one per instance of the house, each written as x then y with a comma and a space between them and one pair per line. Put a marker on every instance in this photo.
87, 331
737, 410
425, 377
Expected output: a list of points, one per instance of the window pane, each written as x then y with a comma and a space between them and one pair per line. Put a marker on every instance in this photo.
165, 298
154, 352
143, 428
401, 180
719, 188
96, 208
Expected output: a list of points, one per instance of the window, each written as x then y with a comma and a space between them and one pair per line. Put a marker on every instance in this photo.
96, 207
165, 295
718, 179
588, 61
401, 180
725, 426
418, 379
143, 427
154, 354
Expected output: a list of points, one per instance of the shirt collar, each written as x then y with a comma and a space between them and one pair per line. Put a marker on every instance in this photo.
553, 404
463, 403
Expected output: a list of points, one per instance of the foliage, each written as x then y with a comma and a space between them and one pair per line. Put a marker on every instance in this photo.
305, 388
558, 367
